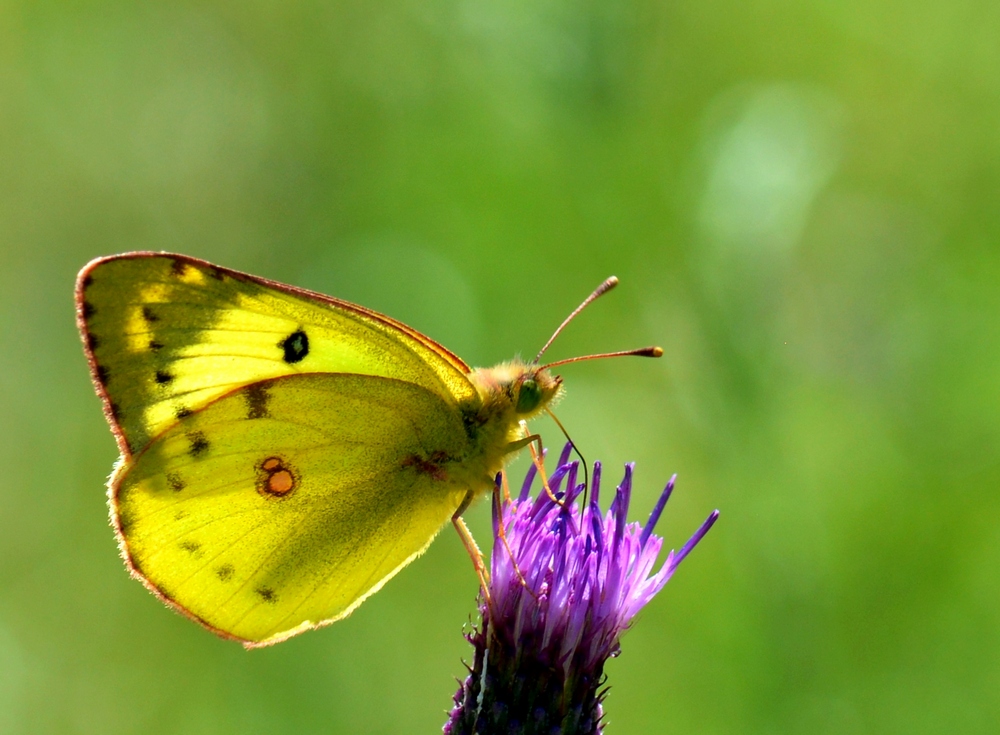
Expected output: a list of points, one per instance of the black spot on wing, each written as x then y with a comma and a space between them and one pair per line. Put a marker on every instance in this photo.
217, 273
154, 345
103, 374
163, 377
183, 412
178, 268
190, 547
225, 572
93, 341
295, 346
199, 444
88, 280
88, 310
267, 594
257, 397
149, 315
176, 483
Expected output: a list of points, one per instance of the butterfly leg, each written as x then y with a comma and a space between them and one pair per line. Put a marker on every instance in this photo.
471, 547
502, 532
538, 457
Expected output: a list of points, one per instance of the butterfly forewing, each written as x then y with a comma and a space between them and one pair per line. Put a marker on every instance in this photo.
285, 504
167, 334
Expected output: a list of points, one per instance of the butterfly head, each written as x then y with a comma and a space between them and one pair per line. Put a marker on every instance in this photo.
515, 391
521, 389
535, 389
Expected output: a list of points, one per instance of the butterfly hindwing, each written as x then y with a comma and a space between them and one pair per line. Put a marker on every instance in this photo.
286, 503
167, 334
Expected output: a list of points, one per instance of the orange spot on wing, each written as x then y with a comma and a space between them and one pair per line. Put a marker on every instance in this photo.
276, 479
280, 482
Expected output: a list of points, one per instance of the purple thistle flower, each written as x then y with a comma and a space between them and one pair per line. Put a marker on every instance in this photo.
565, 585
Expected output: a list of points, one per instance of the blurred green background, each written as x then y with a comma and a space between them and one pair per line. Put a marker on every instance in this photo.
802, 200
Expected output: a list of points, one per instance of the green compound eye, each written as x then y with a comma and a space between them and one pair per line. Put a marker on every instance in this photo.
529, 397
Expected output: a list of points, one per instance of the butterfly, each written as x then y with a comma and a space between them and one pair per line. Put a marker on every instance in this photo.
285, 453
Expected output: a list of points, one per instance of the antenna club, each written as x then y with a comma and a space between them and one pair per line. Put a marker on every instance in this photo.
656, 352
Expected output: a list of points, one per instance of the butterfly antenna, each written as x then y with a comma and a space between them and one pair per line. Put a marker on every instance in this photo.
583, 460
641, 352
608, 284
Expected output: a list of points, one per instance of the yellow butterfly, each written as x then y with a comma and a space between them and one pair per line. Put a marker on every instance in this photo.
284, 453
